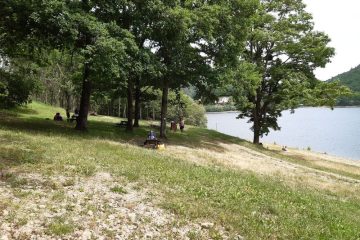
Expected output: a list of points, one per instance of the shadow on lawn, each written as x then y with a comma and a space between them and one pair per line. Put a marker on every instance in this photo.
202, 138
192, 137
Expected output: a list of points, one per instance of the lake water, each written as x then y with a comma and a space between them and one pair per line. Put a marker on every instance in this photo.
336, 132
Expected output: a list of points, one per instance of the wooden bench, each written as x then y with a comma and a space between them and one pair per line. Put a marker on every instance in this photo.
122, 124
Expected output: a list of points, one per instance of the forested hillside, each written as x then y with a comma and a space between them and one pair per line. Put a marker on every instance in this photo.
350, 79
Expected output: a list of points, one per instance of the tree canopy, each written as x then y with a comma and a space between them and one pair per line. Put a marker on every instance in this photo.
276, 70
96, 51
350, 79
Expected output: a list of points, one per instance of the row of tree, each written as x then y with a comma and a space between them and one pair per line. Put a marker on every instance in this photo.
266, 50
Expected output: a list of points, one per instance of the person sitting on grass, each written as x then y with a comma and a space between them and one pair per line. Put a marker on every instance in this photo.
151, 135
58, 117
151, 139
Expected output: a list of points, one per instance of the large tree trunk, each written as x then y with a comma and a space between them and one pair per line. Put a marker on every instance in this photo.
81, 121
164, 105
256, 139
130, 111
257, 120
137, 103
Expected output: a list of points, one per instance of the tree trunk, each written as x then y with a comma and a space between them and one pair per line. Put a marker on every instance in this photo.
68, 100
257, 120
124, 110
256, 132
81, 121
164, 105
119, 107
137, 103
130, 111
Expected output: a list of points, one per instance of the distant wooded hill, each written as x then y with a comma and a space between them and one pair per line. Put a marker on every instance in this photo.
350, 79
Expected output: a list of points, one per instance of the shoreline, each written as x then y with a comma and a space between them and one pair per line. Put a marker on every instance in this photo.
357, 106
276, 146
313, 155
318, 129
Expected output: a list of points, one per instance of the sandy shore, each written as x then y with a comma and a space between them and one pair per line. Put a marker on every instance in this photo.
314, 155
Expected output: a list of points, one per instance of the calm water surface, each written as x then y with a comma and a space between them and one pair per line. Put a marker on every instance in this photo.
336, 132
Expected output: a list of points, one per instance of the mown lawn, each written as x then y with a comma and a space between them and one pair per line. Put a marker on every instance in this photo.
254, 206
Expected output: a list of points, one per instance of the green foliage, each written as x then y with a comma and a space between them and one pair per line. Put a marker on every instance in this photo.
118, 189
350, 79
220, 108
326, 94
56, 29
181, 106
223, 27
276, 71
60, 227
4, 93
261, 52
16, 84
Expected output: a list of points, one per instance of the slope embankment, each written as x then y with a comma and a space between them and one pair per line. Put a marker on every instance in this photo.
60, 183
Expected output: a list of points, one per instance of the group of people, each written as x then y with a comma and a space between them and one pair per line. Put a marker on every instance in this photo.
73, 117
173, 125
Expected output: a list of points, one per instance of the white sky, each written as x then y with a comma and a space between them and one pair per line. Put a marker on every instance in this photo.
340, 19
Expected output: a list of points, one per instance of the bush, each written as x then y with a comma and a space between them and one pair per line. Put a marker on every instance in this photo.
220, 108
14, 90
186, 107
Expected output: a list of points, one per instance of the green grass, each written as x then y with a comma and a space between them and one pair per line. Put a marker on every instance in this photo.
60, 227
253, 206
118, 189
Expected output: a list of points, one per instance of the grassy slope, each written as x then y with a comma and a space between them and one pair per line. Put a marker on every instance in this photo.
254, 206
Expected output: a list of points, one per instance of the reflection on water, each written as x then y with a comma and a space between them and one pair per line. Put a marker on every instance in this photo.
336, 132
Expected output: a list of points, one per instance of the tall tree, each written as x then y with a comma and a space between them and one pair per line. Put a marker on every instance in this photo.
71, 25
276, 69
134, 16
173, 38
103, 47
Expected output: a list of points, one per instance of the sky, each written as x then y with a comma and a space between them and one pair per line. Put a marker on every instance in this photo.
340, 19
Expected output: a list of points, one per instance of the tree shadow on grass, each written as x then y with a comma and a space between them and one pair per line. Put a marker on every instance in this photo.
203, 138
98, 130
192, 137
